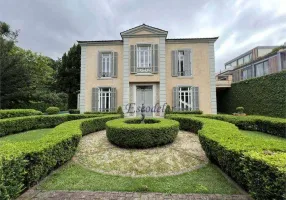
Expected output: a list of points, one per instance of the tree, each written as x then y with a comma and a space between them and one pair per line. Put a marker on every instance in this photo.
14, 79
68, 75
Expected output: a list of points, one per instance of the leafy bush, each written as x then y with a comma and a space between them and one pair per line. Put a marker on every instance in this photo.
270, 125
167, 110
129, 133
120, 111
20, 124
52, 110
259, 96
259, 167
74, 111
23, 164
197, 112
18, 113
240, 110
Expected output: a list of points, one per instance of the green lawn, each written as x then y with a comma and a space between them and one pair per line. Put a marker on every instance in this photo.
72, 176
26, 136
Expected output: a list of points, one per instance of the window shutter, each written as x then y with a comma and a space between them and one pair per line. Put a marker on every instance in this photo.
174, 63
94, 101
155, 58
133, 58
99, 65
113, 100
196, 98
175, 98
187, 62
115, 64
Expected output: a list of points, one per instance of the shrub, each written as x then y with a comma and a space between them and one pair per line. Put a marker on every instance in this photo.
270, 125
93, 112
259, 96
52, 110
240, 110
196, 112
20, 124
9, 113
23, 164
167, 110
129, 133
120, 111
259, 167
74, 111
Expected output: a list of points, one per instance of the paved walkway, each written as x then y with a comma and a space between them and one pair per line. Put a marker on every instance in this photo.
85, 195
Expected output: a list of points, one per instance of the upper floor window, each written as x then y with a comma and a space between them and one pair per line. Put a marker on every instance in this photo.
261, 69
107, 64
144, 58
181, 63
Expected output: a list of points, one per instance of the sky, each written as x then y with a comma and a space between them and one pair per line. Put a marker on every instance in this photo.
51, 27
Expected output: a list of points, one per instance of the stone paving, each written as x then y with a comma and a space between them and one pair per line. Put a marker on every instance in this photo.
185, 154
86, 195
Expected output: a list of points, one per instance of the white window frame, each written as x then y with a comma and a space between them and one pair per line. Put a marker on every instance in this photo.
106, 65
104, 99
184, 106
144, 51
181, 59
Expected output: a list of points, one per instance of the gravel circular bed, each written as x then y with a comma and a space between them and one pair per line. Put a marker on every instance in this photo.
185, 154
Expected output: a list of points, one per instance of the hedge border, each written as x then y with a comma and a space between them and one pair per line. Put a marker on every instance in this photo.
23, 164
269, 125
129, 133
20, 124
9, 113
249, 163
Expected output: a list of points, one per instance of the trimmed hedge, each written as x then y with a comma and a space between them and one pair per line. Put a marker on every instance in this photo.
111, 113
259, 167
270, 125
129, 133
23, 164
20, 124
74, 111
259, 96
9, 113
197, 112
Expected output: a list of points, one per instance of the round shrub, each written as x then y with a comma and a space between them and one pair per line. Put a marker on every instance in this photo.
130, 133
239, 110
52, 110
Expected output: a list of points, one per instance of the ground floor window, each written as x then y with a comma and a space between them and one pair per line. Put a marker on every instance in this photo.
104, 99
185, 98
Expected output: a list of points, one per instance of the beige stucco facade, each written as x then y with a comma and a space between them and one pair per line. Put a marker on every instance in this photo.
162, 81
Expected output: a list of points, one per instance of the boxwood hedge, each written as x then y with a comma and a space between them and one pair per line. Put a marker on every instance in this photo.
20, 124
18, 113
259, 167
23, 164
129, 133
270, 125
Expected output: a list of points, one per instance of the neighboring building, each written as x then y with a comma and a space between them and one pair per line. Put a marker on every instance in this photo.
146, 67
257, 62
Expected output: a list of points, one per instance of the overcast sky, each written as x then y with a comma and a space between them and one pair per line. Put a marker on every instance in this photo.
52, 26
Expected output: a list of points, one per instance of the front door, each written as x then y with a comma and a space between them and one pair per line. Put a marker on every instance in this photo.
144, 95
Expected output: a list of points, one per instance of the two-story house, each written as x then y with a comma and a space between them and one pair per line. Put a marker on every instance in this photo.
147, 68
